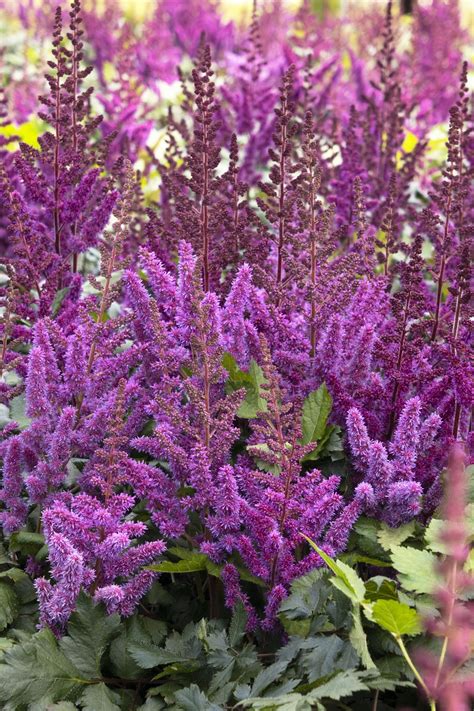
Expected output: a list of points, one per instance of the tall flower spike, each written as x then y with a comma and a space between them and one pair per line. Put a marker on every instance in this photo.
280, 203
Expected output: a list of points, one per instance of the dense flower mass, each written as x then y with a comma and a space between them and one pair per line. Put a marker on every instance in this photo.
236, 291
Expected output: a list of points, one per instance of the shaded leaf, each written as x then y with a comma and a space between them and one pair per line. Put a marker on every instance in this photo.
90, 631
9, 605
98, 697
38, 669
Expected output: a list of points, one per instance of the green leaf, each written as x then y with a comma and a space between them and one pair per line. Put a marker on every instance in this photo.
27, 542
58, 299
344, 684
380, 588
99, 697
416, 568
9, 605
181, 651
328, 655
390, 538
134, 630
358, 639
287, 702
181, 566
347, 580
434, 532
14, 574
237, 624
17, 411
90, 630
5, 645
396, 618
308, 595
267, 676
252, 381
38, 669
316, 409
193, 699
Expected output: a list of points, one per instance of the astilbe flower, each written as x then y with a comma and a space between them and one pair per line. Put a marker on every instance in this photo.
394, 471
447, 676
274, 503
66, 199
91, 547
208, 208
279, 205
193, 417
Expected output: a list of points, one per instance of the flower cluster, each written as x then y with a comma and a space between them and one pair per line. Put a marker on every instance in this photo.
198, 266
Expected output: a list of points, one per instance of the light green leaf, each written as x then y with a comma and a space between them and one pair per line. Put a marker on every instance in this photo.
98, 697
181, 566
9, 605
434, 532
90, 631
396, 618
416, 568
316, 409
251, 380
390, 537
17, 411
346, 580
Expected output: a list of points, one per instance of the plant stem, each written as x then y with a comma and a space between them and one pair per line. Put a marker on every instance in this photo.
415, 671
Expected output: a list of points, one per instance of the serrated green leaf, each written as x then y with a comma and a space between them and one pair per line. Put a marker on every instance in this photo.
132, 631
267, 676
328, 654
98, 697
344, 684
416, 568
390, 538
9, 605
287, 702
434, 531
38, 669
396, 618
90, 630
358, 639
193, 699
237, 625
347, 580
316, 409
252, 381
